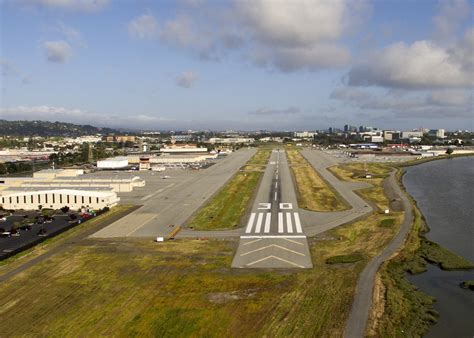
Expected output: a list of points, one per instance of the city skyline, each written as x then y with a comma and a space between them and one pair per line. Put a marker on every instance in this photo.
232, 65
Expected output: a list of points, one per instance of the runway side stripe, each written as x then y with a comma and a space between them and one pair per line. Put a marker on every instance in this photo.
289, 223
280, 222
259, 222
267, 222
298, 223
250, 223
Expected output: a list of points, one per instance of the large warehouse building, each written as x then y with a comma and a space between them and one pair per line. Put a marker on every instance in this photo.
56, 188
56, 198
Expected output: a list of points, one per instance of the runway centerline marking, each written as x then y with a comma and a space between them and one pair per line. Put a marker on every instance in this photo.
270, 246
275, 195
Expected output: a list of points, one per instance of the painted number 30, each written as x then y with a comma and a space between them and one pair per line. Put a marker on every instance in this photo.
268, 206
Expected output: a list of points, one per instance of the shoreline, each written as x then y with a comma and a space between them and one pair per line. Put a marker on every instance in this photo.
412, 258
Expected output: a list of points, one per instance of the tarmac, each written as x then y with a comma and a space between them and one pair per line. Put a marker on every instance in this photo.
172, 201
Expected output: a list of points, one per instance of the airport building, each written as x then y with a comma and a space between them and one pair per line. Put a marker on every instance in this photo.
29, 198
231, 140
113, 163
56, 188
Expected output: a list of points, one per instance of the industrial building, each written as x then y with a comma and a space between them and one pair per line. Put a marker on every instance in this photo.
28, 198
231, 140
119, 162
56, 188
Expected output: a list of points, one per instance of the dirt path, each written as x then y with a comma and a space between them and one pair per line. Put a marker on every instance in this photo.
359, 315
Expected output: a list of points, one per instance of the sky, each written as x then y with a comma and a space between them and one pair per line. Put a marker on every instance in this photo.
240, 65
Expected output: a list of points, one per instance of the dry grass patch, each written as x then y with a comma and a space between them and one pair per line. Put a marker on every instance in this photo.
313, 192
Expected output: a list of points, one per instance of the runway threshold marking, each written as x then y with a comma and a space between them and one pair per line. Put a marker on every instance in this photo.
277, 258
259, 222
272, 246
289, 223
280, 222
250, 223
298, 223
263, 222
267, 222
271, 236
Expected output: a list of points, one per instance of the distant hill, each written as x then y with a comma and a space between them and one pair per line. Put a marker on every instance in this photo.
49, 129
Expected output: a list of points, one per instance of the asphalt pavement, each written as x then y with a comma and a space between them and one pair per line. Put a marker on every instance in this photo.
273, 236
172, 201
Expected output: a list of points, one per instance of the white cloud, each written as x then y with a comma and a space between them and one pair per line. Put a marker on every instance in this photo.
187, 79
57, 51
450, 17
426, 104
78, 5
144, 27
293, 23
70, 34
450, 98
283, 35
421, 65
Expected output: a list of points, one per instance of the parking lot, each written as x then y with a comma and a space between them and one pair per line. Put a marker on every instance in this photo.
24, 229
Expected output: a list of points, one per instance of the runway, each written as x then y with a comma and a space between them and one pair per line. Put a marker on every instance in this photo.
174, 200
273, 236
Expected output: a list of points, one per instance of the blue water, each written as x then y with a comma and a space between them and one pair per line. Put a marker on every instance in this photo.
443, 191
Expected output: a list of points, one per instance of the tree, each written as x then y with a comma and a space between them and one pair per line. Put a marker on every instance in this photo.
449, 151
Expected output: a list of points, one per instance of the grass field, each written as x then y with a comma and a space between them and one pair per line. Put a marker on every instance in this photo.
184, 288
187, 288
312, 191
225, 210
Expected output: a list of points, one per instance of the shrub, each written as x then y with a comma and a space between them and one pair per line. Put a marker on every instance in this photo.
341, 259
387, 223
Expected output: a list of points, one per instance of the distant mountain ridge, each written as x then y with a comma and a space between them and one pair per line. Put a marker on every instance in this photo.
50, 129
